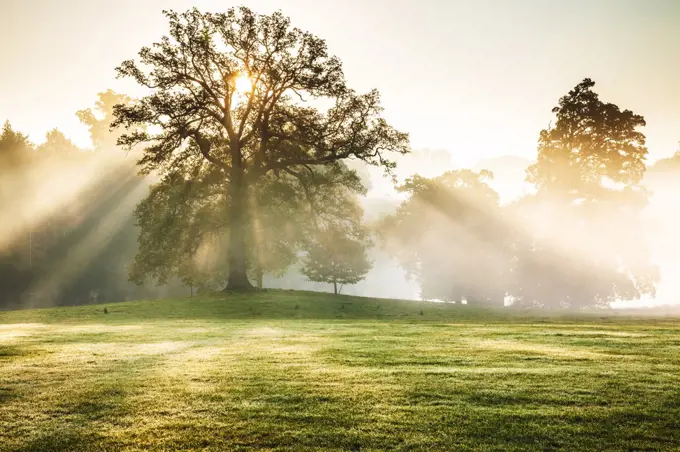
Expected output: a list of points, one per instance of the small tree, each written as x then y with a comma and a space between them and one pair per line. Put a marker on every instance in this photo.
337, 258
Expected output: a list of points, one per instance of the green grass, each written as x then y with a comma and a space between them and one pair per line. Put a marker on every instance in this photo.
304, 371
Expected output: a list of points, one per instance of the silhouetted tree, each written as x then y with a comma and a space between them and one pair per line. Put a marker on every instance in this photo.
15, 148
81, 251
586, 244
16, 152
16, 155
337, 258
58, 147
591, 142
226, 89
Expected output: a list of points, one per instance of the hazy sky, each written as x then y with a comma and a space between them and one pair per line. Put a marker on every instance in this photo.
477, 78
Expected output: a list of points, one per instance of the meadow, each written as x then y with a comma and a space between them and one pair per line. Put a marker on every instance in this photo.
283, 370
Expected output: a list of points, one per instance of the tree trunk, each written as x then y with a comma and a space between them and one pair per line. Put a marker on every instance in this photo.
335, 287
259, 275
255, 229
238, 227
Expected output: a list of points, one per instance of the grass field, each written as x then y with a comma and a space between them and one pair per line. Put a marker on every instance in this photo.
303, 371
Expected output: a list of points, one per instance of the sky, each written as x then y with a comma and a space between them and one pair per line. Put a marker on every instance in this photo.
477, 78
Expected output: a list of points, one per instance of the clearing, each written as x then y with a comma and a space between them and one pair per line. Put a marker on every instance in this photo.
308, 371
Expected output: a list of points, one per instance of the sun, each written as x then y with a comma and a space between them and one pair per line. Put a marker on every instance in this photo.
243, 84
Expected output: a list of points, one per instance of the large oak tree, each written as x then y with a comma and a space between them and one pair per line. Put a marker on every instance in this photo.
239, 90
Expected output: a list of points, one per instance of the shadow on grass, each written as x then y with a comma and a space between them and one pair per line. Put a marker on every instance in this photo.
7, 394
60, 438
12, 351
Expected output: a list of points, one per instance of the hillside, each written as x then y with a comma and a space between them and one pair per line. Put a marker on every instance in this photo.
271, 304
282, 370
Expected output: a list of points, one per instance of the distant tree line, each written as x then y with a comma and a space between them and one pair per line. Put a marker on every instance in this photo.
73, 249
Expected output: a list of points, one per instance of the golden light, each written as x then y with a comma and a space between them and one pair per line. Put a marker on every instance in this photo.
243, 84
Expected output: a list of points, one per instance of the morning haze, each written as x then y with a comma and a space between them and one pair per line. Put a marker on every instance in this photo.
359, 225
474, 78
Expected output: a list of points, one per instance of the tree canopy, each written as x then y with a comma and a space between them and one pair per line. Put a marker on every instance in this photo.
99, 119
578, 241
592, 142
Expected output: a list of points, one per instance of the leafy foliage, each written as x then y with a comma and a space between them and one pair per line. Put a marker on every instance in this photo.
336, 257
99, 119
592, 141
184, 222
196, 110
75, 249
58, 147
15, 148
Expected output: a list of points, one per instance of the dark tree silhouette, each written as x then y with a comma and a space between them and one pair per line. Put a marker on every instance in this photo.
230, 89
591, 140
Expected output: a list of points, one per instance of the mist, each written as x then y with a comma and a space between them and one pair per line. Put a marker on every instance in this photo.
70, 234
150, 206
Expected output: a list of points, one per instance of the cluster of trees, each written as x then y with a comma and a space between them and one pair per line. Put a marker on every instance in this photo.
577, 241
68, 233
257, 149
